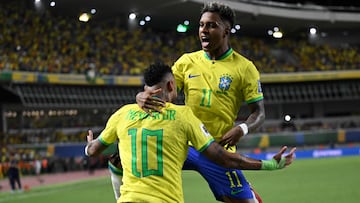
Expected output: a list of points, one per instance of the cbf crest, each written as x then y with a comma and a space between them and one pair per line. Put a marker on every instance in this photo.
225, 82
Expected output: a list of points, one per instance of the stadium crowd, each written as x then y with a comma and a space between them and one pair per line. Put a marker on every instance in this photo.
44, 42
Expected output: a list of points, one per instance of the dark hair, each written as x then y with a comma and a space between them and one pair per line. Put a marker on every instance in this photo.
155, 73
224, 11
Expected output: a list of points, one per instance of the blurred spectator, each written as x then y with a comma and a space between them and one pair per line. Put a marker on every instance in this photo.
38, 167
14, 173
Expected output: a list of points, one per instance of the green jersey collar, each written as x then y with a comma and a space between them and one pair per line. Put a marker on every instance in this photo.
224, 55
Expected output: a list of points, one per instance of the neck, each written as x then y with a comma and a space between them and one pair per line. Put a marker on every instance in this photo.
215, 54
163, 94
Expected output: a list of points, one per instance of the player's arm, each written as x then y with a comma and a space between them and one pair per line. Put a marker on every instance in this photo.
257, 116
147, 102
254, 121
216, 153
93, 147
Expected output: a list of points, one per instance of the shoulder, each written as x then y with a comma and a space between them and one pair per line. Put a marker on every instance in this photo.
239, 57
187, 61
129, 106
191, 56
125, 110
245, 65
178, 108
183, 113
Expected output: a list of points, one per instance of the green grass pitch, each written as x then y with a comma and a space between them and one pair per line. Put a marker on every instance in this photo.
328, 180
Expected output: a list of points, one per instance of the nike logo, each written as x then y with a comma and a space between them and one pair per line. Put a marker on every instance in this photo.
194, 76
234, 192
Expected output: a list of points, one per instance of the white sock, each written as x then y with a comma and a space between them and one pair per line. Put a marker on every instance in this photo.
116, 182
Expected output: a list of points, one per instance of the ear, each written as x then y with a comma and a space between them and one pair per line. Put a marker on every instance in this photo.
226, 32
171, 86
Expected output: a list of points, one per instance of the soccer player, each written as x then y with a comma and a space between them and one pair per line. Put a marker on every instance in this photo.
216, 81
154, 147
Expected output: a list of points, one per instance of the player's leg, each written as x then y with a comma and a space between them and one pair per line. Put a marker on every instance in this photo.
116, 174
191, 162
18, 181
12, 183
38, 171
257, 196
116, 181
227, 185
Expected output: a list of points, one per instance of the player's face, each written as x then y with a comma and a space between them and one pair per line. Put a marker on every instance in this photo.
213, 33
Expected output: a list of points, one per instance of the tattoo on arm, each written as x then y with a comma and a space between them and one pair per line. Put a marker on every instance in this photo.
257, 116
219, 155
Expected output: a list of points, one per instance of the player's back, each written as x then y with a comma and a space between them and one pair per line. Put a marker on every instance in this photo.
153, 150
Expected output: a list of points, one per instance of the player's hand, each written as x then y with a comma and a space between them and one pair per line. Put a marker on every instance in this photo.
232, 136
147, 102
288, 159
278, 161
94, 147
90, 136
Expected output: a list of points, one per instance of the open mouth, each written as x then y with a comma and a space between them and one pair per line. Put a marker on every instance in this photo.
205, 41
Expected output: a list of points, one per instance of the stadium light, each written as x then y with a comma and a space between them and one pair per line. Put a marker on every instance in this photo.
132, 16
277, 35
181, 28
287, 118
38, 5
312, 31
147, 18
84, 17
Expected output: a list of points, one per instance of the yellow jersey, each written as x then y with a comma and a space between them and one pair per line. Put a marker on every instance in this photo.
216, 89
153, 150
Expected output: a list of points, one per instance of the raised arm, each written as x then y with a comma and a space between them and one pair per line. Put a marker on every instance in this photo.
93, 147
254, 121
219, 155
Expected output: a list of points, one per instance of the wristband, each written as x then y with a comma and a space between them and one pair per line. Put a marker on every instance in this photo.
244, 128
272, 164
86, 152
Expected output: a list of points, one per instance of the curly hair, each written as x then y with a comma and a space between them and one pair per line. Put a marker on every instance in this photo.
224, 11
155, 73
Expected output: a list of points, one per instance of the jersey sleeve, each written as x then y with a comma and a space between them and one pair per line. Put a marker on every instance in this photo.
196, 131
108, 135
252, 91
178, 71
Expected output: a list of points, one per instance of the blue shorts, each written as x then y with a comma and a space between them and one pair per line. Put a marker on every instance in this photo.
222, 181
